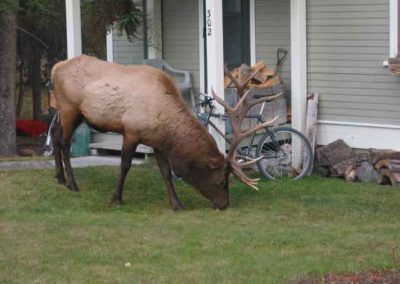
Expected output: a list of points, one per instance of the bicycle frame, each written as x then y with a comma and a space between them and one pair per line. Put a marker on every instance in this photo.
208, 121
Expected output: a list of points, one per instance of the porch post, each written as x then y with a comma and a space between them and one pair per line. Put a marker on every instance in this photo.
299, 63
215, 62
154, 28
110, 46
74, 36
299, 71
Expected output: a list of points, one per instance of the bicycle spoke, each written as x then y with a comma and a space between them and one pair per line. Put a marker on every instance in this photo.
276, 150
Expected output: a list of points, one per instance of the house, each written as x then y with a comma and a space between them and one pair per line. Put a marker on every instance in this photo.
338, 49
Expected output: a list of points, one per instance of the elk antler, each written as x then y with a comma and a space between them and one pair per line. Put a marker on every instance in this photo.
236, 116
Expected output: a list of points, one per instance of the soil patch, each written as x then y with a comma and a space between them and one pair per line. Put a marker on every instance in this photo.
371, 276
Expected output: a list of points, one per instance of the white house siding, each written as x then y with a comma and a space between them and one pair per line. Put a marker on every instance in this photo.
272, 31
347, 41
181, 36
126, 52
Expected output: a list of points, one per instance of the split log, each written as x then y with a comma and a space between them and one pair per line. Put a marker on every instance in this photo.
340, 168
391, 165
394, 166
245, 72
376, 155
350, 173
333, 153
227, 80
390, 178
349, 165
270, 82
322, 171
259, 66
367, 173
268, 72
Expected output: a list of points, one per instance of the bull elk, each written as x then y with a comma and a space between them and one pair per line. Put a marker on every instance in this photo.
143, 104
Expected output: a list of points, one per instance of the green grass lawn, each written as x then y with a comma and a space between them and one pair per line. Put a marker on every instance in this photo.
286, 231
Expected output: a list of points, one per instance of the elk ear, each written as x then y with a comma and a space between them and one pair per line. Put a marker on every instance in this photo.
214, 163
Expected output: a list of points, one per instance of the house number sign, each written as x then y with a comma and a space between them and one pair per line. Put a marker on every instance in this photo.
209, 23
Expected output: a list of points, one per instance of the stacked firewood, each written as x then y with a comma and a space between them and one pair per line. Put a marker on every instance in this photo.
264, 82
394, 65
264, 78
339, 160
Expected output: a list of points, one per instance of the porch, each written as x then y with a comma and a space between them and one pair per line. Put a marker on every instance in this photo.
336, 50
190, 35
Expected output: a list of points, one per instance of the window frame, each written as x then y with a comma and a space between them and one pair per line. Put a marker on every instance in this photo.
394, 28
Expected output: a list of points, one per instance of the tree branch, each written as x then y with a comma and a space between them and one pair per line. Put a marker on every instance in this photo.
34, 37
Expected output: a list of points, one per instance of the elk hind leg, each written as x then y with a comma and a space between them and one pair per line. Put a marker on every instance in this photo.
127, 153
69, 121
56, 135
165, 170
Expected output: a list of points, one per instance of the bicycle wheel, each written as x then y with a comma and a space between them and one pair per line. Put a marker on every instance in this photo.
279, 161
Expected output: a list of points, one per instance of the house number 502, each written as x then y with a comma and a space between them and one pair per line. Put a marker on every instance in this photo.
209, 30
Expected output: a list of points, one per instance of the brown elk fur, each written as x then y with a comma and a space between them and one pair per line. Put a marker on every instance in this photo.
142, 104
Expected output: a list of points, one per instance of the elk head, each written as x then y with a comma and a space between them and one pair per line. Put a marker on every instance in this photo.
235, 162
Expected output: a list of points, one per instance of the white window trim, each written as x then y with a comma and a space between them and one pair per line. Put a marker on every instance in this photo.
110, 46
252, 32
394, 25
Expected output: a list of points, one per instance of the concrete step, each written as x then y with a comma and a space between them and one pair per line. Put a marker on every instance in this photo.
113, 141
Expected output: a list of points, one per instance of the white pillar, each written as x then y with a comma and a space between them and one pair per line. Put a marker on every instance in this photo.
299, 70
74, 35
299, 63
110, 46
215, 62
154, 28
394, 33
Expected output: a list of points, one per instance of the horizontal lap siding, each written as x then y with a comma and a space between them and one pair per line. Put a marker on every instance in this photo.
347, 41
272, 25
126, 52
181, 36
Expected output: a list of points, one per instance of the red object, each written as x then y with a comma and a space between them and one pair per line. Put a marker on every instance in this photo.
31, 127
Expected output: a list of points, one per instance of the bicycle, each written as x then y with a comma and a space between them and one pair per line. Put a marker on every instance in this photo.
273, 150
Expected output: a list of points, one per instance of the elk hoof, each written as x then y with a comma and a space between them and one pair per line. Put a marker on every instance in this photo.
60, 179
74, 189
176, 206
116, 202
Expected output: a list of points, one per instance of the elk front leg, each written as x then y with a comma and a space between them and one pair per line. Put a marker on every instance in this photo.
128, 150
165, 170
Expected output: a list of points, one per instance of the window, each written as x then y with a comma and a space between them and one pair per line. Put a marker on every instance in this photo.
394, 28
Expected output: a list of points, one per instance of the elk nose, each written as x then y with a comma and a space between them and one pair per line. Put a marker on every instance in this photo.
221, 205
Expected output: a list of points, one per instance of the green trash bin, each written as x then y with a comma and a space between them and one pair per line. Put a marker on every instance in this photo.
81, 140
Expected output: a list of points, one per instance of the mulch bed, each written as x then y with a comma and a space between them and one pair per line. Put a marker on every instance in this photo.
371, 276
30, 146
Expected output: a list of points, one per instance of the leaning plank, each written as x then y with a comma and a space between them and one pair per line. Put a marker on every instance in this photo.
311, 122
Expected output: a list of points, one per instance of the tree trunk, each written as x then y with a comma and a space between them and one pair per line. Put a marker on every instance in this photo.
8, 56
21, 91
36, 85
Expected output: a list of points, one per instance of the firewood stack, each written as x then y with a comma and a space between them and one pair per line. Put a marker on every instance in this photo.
264, 82
339, 160
264, 78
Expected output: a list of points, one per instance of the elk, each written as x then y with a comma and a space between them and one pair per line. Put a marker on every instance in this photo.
143, 104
